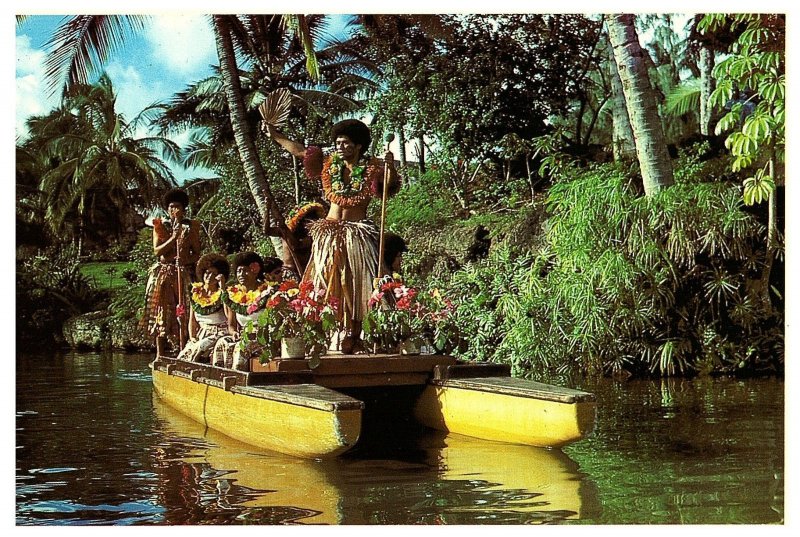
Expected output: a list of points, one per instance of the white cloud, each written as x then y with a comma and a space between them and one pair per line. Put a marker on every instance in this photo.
134, 92
184, 44
31, 94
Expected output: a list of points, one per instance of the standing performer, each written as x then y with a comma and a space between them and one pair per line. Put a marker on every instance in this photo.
344, 253
177, 245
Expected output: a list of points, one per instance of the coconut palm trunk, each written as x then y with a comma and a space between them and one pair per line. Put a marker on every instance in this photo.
640, 100
706, 65
623, 148
245, 143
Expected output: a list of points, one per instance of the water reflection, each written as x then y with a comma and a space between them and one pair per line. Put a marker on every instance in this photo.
92, 447
459, 480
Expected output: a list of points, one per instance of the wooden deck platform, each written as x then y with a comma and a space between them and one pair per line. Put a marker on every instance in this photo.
330, 371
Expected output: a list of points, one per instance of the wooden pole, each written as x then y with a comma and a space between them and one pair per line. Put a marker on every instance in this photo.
181, 331
384, 197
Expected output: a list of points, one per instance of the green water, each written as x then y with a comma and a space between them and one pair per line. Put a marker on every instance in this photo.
94, 447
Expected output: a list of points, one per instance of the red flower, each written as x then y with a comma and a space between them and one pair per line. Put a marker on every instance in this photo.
286, 285
180, 310
306, 287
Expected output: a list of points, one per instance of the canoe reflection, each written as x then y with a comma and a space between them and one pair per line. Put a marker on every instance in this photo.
297, 486
535, 480
436, 479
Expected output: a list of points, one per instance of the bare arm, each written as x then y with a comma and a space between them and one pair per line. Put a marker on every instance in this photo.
233, 324
295, 148
194, 326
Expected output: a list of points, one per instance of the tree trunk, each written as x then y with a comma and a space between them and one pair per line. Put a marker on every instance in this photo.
421, 152
248, 154
401, 139
772, 237
622, 135
706, 87
640, 99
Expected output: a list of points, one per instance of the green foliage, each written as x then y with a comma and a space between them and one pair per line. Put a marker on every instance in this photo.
651, 285
50, 289
106, 275
751, 85
128, 302
422, 204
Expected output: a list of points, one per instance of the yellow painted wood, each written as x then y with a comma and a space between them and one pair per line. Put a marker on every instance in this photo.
274, 425
317, 501
504, 417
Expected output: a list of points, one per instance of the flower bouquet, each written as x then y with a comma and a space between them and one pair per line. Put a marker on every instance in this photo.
396, 316
442, 332
295, 312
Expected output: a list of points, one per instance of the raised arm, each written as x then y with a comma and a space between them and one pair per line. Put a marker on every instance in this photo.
295, 148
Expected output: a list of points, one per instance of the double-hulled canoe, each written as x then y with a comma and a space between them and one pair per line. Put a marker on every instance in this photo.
303, 407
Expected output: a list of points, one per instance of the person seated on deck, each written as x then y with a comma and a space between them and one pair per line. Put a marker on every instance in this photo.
207, 319
344, 251
393, 249
244, 302
297, 223
176, 242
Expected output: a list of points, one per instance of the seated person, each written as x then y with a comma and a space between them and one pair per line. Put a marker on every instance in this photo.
393, 248
244, 302
207, 319
297, 222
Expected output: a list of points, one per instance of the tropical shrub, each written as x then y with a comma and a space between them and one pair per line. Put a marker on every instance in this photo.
50, 289
658, 285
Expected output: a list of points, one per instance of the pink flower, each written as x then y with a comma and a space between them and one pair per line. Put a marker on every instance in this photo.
252, 308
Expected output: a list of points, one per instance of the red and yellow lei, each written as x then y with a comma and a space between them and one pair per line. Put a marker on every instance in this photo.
203, 303
358, 192
245, 302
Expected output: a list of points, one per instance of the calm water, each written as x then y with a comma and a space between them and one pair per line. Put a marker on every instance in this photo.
95, 448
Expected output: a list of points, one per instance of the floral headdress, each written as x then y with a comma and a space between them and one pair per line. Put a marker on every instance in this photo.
299, 212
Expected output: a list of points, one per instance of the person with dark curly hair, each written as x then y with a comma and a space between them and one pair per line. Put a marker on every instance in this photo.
297, 223
244, 302
176, 243
207, 319
344, 252
393, 249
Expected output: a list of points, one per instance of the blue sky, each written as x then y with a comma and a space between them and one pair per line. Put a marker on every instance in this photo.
172, 52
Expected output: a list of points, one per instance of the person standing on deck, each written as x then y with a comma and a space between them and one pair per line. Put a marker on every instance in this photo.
176, 243
344, 252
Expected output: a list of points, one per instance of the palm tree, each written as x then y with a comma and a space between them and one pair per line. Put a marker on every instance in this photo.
86, 40
640, 100
97, 158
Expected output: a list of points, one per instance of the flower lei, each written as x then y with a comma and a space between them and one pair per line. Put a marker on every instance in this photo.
205, 305
333, 184
297, 213
245, 302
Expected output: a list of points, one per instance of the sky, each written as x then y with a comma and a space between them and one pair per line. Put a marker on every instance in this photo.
172, 52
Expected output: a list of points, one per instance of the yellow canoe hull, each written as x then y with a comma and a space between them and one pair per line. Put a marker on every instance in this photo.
508, 410
269, 417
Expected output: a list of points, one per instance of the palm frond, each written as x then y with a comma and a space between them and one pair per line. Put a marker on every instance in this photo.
276, 107
684, 98
82, 44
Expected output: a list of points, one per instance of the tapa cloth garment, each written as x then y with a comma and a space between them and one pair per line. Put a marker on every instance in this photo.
344, 258
228, 350
161, 299
212, 327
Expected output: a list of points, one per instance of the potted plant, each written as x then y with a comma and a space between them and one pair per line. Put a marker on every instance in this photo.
297, 317
441, 329
395, 321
